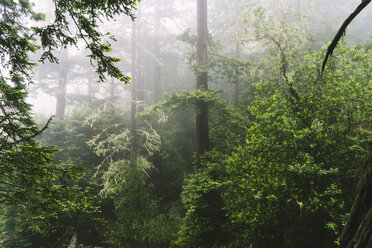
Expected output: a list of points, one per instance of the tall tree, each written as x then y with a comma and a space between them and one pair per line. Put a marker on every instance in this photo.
133, 104
202, 129
112, 89
236, 83
157, 67
140, 65
62, 90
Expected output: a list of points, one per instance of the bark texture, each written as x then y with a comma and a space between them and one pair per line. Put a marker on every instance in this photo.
358, 231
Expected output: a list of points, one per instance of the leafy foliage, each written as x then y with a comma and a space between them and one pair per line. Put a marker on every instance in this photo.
291, 178
283, 164
31, 178
86, 16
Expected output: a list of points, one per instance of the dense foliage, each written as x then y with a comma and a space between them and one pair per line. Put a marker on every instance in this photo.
286, 141
293, 177
30, 176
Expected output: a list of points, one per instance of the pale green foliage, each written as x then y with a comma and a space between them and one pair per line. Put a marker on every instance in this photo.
124, 181
283, 40
162, 116
113, 144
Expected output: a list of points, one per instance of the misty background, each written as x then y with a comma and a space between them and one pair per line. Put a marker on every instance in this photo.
160, 24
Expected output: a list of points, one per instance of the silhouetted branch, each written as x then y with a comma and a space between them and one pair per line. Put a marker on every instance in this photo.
342, 31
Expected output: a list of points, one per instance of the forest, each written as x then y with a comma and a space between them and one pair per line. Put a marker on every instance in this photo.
185, 124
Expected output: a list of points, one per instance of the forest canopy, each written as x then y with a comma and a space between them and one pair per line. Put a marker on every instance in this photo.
213, 123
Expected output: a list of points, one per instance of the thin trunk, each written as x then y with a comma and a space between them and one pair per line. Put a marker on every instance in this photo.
90, 89
236, 95
157, 74
237, 83
140, 78
112, 89
133, 97
157, 69
61, 92
73, 241
202, 129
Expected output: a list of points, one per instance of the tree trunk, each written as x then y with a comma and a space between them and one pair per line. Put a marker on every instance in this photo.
61, 91
236, 94
112, 89
133, 97
140, 65
90, 89
73, 241
358, 231
157, 68
202, 79
237, 83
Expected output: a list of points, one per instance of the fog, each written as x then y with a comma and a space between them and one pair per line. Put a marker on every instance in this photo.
220, 129
160, 24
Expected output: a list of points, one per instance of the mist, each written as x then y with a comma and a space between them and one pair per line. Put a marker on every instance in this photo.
219, 129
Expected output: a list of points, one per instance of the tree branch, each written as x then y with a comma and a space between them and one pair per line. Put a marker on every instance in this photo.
342, 31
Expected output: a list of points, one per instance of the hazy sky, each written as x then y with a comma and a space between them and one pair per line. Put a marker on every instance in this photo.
46, 104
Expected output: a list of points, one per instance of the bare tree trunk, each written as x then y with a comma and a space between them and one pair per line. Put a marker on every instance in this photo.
73, 242
90, 89
61, 91
236, 94
133, 97
358, 231
237, 83
140, 66
202, 129
157, 69
112, 89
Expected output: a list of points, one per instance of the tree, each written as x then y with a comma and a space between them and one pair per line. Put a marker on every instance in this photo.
29, 175
157, 53
357, 232
57, 80
202, 130
133, 102
63, 73
342, 30
288, 184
